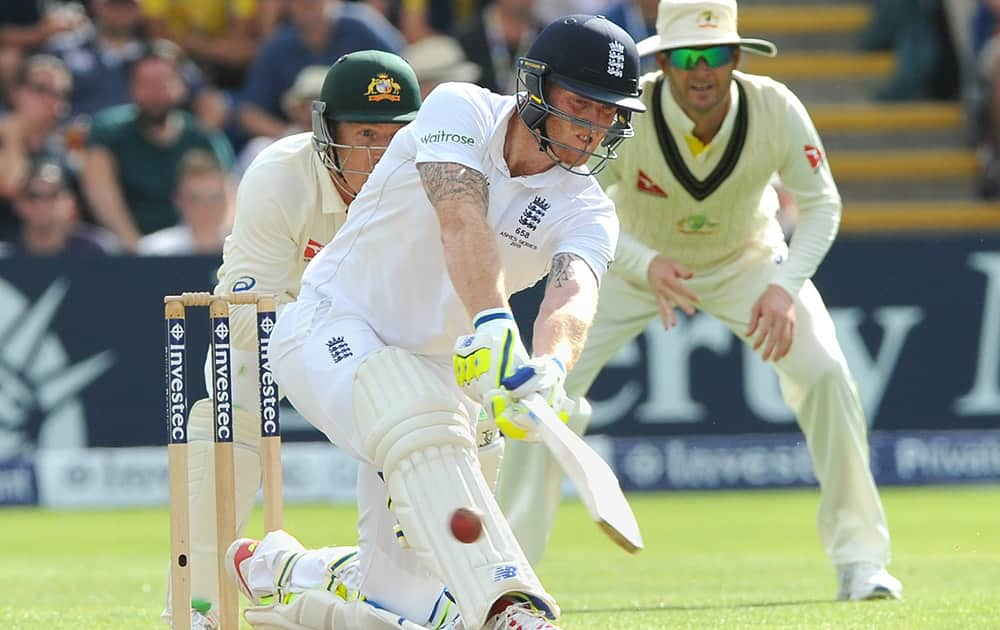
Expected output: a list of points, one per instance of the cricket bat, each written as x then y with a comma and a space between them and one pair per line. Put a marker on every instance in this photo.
595, 482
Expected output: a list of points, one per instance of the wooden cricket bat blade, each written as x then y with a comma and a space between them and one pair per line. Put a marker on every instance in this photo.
595, 482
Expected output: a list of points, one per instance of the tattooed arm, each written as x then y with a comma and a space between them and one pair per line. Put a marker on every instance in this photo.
567, 309
460, 195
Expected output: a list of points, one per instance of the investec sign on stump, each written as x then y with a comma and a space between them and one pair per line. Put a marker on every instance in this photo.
225, 486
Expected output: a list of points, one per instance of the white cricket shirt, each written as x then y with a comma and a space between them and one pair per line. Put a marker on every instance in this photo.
387, 263
287, 210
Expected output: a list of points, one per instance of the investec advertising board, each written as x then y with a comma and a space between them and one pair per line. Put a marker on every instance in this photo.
81, 375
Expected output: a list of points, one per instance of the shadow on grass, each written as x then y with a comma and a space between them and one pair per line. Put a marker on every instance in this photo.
802, 602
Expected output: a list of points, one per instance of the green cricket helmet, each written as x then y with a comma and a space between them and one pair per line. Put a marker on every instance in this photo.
368, 86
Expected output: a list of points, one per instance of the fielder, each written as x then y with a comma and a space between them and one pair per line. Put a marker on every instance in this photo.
699, 233
291, 201
478, 198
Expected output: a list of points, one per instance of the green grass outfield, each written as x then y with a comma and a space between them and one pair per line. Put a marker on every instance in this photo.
719, 560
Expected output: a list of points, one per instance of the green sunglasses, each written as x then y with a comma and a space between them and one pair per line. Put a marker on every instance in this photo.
688, 58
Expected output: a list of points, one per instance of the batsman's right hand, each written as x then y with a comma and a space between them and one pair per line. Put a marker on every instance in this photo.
544, 376
484, 359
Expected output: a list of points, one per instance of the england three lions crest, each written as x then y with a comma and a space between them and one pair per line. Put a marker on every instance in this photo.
616, 58
383, 88
533, 214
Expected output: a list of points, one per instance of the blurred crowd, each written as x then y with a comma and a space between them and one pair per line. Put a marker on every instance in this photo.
126, 124
946, 49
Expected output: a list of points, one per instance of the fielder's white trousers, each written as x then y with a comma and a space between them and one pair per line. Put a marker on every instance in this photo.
315, 356
815, 382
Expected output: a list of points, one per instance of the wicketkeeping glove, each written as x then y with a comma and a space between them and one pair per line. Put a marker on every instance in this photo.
485, 358
544, 376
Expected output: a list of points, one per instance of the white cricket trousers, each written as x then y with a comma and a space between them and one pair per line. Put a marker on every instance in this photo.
815, 382
315, 356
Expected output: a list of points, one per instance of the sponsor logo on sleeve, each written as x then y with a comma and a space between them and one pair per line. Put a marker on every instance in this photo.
244, 283
312, 248
814, 155
446, 136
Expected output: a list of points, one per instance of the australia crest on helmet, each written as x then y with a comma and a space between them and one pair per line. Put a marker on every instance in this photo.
383, 87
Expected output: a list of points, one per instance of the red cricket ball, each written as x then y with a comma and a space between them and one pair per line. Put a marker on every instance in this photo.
467, 524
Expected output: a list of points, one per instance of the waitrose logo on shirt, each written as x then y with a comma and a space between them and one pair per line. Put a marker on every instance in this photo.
446, 136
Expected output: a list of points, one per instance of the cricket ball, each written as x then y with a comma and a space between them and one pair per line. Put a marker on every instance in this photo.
467, 524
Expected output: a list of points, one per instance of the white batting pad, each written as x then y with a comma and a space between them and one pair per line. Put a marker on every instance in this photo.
322, 610
490, 447
415, 429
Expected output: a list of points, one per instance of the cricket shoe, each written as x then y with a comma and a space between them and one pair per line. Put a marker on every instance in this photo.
203, 615
519, 616
203, 621
865, 581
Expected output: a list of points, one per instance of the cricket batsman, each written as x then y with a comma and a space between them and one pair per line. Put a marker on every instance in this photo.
289, 204
403, 331
699, 232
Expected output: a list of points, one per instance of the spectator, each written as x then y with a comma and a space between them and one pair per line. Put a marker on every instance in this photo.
50, 222
99, 59
917, 31
203, 197
220, 35
495, 40
27, 24
422, 18
986, 48
439, 59
376, 20
296, 103
31, 130
11, 60
319, 33
549, 10
638, 18
133, 151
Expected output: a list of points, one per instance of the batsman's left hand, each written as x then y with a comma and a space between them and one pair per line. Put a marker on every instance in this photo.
772, 323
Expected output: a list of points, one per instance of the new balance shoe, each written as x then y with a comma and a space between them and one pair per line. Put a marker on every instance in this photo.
866, 581
519, 616
203, 621
203, 615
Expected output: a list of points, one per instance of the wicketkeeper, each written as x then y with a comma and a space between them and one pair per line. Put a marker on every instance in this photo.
291, 201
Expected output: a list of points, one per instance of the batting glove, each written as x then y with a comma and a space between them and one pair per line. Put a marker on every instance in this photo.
482, 360
544, 376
